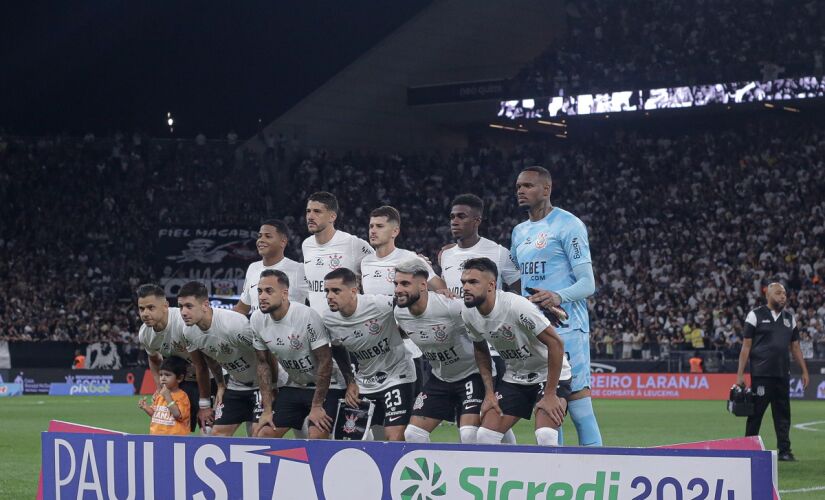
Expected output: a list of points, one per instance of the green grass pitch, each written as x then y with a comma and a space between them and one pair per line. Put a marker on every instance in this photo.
623, 423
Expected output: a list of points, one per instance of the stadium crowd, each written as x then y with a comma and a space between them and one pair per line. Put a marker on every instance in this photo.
649, 44
685, 227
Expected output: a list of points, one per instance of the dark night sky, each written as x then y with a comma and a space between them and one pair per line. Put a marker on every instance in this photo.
121, 65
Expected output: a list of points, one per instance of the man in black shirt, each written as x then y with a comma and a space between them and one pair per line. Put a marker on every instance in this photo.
771, 336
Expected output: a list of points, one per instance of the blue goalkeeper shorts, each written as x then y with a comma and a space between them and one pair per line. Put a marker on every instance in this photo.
577, 349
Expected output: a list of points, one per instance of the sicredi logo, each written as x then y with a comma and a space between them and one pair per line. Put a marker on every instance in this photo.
485, 475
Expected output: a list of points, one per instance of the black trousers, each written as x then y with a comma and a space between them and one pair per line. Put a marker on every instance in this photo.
773, 391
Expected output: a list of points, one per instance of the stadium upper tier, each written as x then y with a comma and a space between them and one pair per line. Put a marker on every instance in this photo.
611, 46
685, 227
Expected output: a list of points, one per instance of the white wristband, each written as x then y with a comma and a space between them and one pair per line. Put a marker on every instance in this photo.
204, 403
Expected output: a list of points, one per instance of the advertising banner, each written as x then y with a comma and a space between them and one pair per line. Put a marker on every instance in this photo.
91, 388
216, 256
697, 386
39, 381
8, 390
709, 386
129, 466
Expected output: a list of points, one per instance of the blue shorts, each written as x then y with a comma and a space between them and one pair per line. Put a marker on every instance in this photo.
577, 349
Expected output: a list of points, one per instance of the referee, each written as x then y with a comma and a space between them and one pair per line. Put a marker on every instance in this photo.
771, 337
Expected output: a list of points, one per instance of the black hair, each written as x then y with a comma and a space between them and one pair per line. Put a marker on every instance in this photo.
482, 264
281, 276
347, 276
194, 289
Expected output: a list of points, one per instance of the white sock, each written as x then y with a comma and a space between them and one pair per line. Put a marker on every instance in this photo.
487, 436
467, 433
414, 434
545, 436
509, 437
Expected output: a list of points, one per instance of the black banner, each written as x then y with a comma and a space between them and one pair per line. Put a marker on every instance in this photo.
38, 380
218, 257
456, 92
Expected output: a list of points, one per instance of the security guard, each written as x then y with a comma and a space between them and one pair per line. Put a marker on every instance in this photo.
771, 337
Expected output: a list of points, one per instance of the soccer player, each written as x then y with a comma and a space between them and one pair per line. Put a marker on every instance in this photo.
327, 248
161, 335
273, 238
295, 334
434, 323
224, 337
537, 375
365, 326
378, 269
466, 215
552, 251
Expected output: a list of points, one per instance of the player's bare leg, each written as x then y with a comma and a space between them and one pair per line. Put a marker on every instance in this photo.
547, 432
269, 432
225, 430
419, 429
394, 433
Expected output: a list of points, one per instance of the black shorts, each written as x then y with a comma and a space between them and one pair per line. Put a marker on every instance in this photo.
443, 400
239, 407
519, 400
293, 405
393, 406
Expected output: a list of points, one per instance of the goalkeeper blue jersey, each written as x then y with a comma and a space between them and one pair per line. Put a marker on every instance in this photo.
546, 251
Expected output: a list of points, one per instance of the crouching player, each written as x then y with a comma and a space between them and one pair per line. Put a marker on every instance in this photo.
533, 355
434, 323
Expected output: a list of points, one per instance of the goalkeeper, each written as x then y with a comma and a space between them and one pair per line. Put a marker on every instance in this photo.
552, 252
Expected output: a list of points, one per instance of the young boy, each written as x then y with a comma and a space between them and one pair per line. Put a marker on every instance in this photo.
170, 405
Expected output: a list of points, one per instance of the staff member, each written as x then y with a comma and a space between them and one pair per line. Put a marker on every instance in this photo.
769, 333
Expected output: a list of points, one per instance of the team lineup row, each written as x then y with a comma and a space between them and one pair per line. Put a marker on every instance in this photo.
290, 363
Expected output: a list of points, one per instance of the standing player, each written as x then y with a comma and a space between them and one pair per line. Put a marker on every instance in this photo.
434, 323
365, 326
224, 337
295, 334
537, 374
161, 335
378, 269
327, 249
465, 218
272, 241
552, 251
466, 215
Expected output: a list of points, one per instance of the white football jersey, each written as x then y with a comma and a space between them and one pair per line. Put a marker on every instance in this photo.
442, 337
229, 342
372, 337
377, 275
298, 289
512, 327
453, 259
343, 250
292, 339
167, 342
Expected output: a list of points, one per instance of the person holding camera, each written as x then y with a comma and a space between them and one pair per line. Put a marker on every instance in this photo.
771, 336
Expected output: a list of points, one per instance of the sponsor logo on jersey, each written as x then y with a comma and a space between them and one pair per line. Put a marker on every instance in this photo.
577, 253
527, 322
179, 346
313, 335
243, 338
